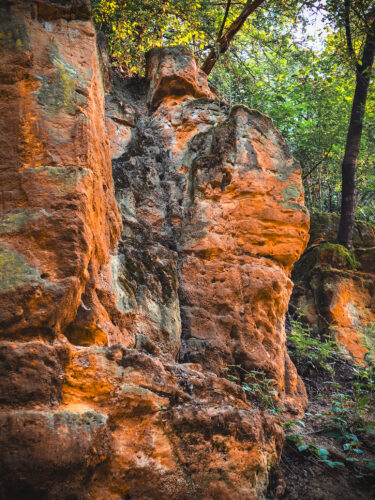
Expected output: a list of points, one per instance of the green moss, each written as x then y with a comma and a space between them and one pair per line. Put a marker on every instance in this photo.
324, 226
291, 192
58, 90
68, 177
15, 271
283, 176
68, 80
324, 257
15, 220
368, 336
338, 255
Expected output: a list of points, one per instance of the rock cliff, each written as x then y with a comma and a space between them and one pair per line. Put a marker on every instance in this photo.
118, 317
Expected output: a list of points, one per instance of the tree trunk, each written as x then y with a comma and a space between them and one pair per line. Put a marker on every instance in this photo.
353, 141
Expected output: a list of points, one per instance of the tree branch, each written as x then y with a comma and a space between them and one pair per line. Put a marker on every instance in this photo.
224, 41
314, 167
224, 20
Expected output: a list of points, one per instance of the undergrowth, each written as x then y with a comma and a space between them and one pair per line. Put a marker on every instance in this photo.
319, 353
342, 434
347, 417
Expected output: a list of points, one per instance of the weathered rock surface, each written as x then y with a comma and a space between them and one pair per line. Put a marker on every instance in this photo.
213, 217
113, 340
334, 287
59, 218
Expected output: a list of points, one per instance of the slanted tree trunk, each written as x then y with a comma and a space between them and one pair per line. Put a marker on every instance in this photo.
223, 40
353, 141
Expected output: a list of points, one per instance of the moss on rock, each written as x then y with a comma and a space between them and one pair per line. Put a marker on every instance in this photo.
324, 227
323, 256
15, 271
338, 256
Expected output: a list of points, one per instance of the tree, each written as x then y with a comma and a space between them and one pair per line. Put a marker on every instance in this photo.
275, 63
135, 26
363, 69
303, 79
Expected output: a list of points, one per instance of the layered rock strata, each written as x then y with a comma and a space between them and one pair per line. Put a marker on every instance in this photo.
59, 219
113, 341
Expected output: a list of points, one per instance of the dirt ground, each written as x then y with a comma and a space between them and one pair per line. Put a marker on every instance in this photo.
306, 476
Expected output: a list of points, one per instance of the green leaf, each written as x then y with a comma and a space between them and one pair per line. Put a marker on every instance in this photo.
353, 437
303, 447
294, 438
322, 452
332, 464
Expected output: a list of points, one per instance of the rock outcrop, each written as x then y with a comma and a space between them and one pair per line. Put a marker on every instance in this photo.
334, 287
114, 337
213, 222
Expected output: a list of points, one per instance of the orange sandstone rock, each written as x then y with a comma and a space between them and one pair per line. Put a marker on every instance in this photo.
335, 287
113, 344
218, 196
172, 71
59, 220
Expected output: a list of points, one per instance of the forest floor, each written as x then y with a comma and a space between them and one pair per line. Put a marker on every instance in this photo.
330, 453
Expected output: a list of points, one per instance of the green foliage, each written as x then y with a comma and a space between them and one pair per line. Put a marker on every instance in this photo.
308, 349
305, 82
349, 419
368, 334
257, 385
341, 255
135, 26
306, 85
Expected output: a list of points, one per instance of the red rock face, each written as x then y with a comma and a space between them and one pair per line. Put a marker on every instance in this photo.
113, 344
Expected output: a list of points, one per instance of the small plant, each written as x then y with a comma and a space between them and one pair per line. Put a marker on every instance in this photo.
257, 385
349, 416
321, 454
368, 334
307, 348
